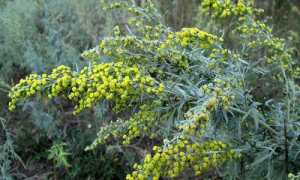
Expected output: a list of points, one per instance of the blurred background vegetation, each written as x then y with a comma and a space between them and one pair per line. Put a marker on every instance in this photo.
40, 140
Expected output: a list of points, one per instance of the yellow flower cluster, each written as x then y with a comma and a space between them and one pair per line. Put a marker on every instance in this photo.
129, 49
226, 8
276, 51
182, 154
222, 90
141, 123
253, 28
175, 158
134, 50
119, 45
191, 37
171, 48
113, 5
61, 78
275, 48
35, 84
116, 82
257, 32
142, 41
198, 119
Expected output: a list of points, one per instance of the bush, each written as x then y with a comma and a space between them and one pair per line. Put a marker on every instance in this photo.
38, 35
35, 37
180, 104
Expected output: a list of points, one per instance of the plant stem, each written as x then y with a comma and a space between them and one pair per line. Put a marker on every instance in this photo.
285, 124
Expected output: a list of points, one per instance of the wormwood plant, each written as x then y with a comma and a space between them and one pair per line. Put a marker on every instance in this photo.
7, 152
39, 35
177, 96
268, 93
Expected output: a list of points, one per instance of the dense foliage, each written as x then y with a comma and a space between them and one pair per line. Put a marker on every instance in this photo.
214, 101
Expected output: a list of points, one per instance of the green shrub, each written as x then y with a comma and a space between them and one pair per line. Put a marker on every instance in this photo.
175, 104
35, 37
38, 35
